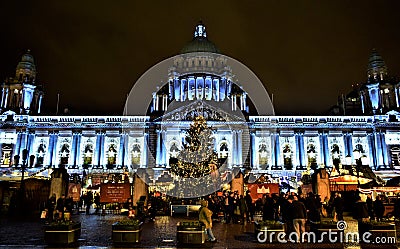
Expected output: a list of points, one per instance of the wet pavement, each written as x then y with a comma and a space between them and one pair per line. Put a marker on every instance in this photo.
96, 233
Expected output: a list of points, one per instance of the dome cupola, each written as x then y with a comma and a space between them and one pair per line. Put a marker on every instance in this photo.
200, 43
377, 69
26, 69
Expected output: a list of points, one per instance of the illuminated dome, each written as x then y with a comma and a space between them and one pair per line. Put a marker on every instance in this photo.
376, 66
26, 67
200, 43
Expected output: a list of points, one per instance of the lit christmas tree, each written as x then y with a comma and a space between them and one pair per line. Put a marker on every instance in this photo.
198, 158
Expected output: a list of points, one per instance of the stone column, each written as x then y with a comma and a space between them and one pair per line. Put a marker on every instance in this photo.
73, 149
17, 149
253, 149
350, 144
103, 152
77, 160
384, 151
233, 152
371, 145
144, 156
127, 153
158, 148
378, 150
303, 152
163, 149
120, 155
297, 156
239, 148
97, 151
54, 152
279, 159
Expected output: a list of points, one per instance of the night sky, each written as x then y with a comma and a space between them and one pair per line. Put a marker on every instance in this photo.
306, 53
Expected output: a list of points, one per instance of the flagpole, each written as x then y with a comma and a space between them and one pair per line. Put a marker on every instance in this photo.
58, 102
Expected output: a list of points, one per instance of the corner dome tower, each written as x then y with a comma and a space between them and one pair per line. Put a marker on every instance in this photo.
377, 69
26, 67
200, 43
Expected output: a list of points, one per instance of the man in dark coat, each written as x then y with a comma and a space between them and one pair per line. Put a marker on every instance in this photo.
51, 204
338, 206
379, 208
361, 215
250, 206
298, 213
370, 207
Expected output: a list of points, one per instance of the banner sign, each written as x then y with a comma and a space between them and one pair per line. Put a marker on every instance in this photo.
115, 192
258, 190
74, 191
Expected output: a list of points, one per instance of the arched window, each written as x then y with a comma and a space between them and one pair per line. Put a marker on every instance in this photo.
136, 152
262, 154
395, 155
287, 156
41, 151
88, 154
6, 150
174, 150
64, 154
223, 151
335, 152
311, 156
111, 155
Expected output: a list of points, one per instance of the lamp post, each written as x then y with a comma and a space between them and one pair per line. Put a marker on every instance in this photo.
357, 156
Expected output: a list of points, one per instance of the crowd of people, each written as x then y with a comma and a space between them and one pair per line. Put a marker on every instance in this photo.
61, 208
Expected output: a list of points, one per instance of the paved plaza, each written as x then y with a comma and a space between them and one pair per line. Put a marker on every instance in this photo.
96, 233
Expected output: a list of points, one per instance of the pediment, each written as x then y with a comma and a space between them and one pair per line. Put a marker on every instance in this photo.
200, 108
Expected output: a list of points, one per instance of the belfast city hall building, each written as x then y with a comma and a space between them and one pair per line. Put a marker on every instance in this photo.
364, 128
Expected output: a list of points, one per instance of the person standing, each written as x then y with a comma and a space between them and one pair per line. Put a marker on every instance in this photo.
379, 208
205, 215
338, 206
397, 207
250, 206
243, 208
88, 201
298, 213
97, 202
51, 204
361, 215
370, 207
60, 206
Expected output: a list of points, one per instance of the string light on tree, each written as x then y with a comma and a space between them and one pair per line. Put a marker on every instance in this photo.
198, 158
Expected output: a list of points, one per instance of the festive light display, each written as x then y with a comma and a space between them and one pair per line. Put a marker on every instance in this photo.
198, 158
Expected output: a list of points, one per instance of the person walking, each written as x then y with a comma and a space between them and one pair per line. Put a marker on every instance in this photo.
379, 208
205, 215
298, 213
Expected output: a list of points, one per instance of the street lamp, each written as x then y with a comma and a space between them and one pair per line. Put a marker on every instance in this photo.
357, 156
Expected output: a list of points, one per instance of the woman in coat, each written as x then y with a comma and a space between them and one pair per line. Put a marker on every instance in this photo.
205, 217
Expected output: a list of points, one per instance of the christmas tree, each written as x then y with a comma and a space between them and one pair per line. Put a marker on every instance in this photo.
198, 157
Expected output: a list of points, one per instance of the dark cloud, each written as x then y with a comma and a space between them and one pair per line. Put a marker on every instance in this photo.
91, 52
